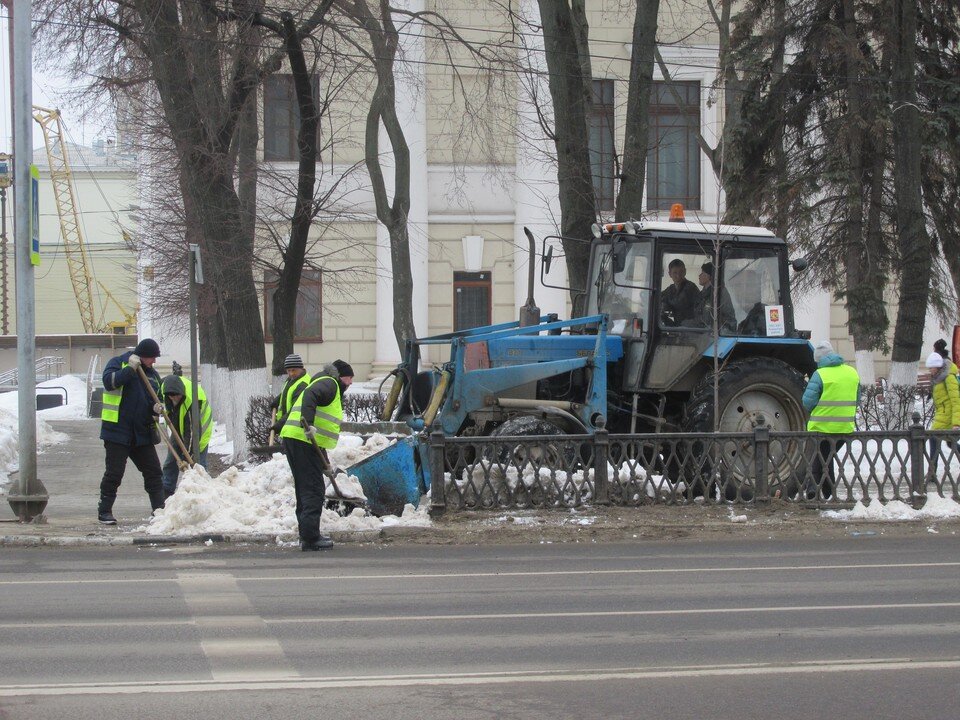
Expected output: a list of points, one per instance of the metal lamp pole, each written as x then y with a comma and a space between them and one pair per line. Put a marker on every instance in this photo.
29, 497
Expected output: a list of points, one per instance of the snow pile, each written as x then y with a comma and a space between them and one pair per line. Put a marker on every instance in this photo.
261, 500
9, 442
936, 508
75, 409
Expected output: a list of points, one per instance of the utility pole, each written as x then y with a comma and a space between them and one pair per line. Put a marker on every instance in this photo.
6, 180
28, 497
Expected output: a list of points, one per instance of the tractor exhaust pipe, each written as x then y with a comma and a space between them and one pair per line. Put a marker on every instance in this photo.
530, 313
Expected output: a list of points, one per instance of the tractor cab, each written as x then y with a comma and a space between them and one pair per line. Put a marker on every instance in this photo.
681, 293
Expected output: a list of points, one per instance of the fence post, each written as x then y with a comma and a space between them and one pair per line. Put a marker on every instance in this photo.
761, 457
438, 455
601, 454
917, 482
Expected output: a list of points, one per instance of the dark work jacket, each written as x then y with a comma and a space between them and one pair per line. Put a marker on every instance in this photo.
136, 406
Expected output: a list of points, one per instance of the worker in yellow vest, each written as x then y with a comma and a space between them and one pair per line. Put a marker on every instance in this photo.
320, 408
297, 380
831, 397
946, 402
182, 398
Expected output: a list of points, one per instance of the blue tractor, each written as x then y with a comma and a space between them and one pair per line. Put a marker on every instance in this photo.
641, 358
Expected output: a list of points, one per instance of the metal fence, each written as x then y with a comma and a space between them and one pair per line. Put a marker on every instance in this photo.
572, 470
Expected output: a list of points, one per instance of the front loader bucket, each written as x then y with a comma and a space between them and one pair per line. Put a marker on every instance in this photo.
393, 477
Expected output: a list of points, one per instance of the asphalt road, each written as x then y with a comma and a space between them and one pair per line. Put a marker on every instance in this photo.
865, 627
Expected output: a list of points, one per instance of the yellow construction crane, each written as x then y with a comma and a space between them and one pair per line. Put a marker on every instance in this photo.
78, 263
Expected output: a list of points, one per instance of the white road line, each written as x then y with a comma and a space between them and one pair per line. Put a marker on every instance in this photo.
237, 643
506, 574
496, 678
614, 613
328, 620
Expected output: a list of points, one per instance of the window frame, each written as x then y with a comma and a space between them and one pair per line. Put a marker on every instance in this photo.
310, 276
293, 118
603, 116
657, 111
460, 281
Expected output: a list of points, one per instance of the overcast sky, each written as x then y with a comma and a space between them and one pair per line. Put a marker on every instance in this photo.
47, 89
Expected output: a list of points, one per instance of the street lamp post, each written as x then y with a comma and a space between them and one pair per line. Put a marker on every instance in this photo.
28, 497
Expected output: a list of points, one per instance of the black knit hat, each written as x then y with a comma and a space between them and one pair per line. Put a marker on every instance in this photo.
343, 368
147, 348
292, 361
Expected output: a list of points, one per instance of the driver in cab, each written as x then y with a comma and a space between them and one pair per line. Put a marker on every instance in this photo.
678, 303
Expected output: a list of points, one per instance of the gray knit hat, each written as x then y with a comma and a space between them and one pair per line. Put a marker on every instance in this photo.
293, 361
821, 350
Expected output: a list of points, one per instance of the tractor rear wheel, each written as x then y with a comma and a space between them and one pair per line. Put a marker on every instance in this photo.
752, 393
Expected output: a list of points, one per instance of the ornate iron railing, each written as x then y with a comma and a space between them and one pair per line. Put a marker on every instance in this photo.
571, 470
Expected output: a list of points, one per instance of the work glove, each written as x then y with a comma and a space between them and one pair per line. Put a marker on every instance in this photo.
134, 362
311, 432
157, 409
277, 426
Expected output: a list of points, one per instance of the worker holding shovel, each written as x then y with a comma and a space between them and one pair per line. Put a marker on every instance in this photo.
129, 416
311, 428
180, 397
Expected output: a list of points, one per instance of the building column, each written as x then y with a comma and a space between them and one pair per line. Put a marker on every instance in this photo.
536, 199
411, 109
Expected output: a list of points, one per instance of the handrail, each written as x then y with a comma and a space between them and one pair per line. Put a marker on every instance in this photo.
46, 368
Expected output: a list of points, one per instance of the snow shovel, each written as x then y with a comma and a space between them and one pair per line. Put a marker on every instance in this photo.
338, 503
272, 445
184, 460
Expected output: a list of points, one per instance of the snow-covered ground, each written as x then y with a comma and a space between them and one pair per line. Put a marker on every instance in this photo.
76, 407
260, 499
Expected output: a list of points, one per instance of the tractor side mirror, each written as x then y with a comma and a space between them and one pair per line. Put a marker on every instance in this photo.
547, 258
799, 264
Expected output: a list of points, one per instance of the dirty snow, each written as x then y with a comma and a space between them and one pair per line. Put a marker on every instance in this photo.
9, 443
936, 508
260, 499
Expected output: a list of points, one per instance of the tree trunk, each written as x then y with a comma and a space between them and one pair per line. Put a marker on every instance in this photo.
288, 286
864, 296
637, 130
393, 214
568, 65
914, 242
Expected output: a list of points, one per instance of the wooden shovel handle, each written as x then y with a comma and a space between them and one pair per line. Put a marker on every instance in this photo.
163, 411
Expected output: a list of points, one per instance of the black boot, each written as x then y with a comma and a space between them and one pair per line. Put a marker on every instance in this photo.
157, 500
105, 511
323, 542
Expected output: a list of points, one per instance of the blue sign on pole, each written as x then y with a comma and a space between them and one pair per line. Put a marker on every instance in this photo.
34, 215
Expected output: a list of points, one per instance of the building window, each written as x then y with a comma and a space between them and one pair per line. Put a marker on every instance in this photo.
281, 117
308, 326
602, 151
673, 159
471, 299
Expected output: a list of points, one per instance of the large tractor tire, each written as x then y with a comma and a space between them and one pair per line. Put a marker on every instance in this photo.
546, 454
752, 393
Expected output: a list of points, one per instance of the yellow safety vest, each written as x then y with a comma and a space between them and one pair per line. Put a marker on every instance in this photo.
836, 410
327, 419
286, 395
206, 415
110, 410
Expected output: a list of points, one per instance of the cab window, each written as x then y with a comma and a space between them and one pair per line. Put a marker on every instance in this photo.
752, 278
